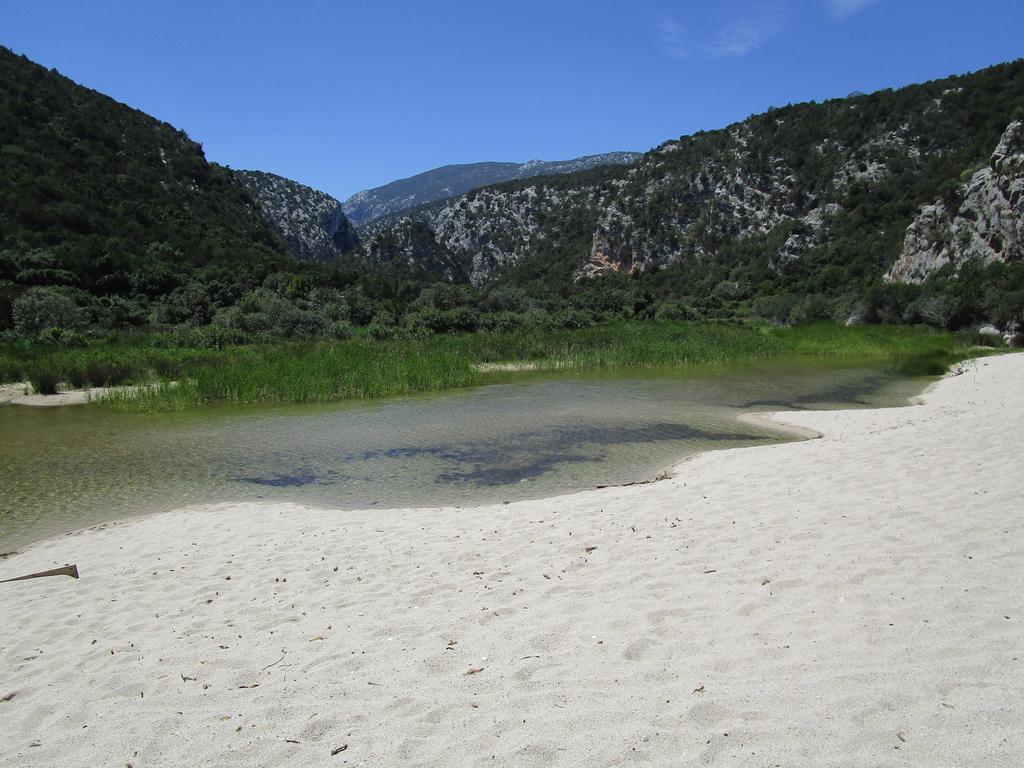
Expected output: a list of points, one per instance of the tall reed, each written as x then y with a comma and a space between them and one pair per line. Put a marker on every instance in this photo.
321, 371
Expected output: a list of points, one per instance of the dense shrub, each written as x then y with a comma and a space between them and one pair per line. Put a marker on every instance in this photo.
383, 326
572, 318
505, 299
114, 312
186, 304
775, 309
812, 309
500, 322
442, 320
674, 309
339, 329
264, 310
40, 307
62, 337
44, 378
446, 296
330, 304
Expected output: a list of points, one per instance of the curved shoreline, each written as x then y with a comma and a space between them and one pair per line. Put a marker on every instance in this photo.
816, 603
769, 421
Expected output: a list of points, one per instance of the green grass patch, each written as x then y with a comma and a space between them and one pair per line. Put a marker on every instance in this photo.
294, 372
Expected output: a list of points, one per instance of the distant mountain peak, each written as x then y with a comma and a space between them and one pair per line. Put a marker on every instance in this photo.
453, 180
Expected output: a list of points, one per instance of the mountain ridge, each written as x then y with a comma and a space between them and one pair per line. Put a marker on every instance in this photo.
771, 200
110, 218
455, 179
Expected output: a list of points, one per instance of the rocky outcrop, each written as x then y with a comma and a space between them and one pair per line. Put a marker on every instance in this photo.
804, 195
494, 227
453, 180
985, 223
681, 201
311, 223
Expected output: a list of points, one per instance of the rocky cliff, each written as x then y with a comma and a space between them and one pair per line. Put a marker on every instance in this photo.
984, 221
809, 193
451, 180
311, 223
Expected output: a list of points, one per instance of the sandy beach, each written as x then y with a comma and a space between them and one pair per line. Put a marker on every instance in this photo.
851, 600
22, 394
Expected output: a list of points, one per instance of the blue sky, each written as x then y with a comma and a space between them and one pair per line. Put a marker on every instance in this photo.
348, 95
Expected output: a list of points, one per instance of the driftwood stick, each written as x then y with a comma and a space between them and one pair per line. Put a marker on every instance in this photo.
67, 570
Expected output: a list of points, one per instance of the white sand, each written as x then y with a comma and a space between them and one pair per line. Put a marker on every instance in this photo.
22, 394
502, 367
9, 392
855, 600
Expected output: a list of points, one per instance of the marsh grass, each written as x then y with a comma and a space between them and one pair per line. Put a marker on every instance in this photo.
44, 380
112, 363
365, 368
308, 373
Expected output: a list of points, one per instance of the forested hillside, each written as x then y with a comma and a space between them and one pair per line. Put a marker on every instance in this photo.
901, 206
116, 211
807, 204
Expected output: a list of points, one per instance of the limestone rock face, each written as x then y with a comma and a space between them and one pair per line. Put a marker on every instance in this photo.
665, 208
493, 227
987, 225
311, 223
686, 200
808, 192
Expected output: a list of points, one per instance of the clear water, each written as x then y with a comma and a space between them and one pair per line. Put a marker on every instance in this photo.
66, 468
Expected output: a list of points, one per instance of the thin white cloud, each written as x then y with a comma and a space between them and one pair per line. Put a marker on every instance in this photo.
737, 37
674, 35
844, 8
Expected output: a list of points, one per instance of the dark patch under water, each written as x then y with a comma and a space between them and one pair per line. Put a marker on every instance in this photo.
281, 481
532, 454
853, 393
63, 469
513, 458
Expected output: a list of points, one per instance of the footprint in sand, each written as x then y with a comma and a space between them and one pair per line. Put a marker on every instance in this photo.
636, 650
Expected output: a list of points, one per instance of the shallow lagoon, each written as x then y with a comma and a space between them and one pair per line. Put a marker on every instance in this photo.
526, 437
